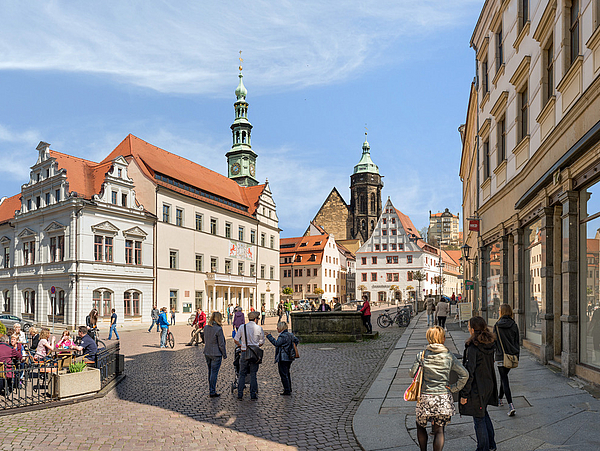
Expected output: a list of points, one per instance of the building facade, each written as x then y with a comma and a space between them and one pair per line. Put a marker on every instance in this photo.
537, 110
391, 256
74, 239
443, 229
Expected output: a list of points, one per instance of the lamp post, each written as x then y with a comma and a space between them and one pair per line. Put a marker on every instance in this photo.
466, 249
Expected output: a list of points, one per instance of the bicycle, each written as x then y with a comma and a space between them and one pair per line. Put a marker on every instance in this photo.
401, 317
93, 332
170, 339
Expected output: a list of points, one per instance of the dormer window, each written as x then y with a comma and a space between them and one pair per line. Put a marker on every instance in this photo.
113, 199
37, 177
120, 173
38, 202
28, 204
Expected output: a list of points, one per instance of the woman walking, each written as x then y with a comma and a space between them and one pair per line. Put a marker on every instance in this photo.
214, 350
238, 318
284, 354
436, 404
507, 335
441, 311
481, 389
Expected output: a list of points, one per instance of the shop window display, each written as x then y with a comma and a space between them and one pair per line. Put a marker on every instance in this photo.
534, 305
589, 280
493, 283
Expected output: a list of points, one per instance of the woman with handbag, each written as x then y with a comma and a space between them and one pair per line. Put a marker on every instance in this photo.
285, 353
435, 403
507, 334
481, 389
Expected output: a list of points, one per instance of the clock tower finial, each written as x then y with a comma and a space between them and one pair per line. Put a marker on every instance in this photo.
241, 159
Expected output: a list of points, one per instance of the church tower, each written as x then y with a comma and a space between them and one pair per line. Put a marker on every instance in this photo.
241, 159
365, 191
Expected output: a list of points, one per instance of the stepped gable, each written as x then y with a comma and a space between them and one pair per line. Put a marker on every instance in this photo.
153, 160
8, 207
409, 228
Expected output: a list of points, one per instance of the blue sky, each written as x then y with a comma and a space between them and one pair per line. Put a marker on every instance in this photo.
83, 75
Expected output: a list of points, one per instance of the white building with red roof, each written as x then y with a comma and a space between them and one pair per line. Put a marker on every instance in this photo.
390, 257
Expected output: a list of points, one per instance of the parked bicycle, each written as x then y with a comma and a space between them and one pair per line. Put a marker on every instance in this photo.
401, 317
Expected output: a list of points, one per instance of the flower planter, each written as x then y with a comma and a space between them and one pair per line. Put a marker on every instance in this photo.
65, 385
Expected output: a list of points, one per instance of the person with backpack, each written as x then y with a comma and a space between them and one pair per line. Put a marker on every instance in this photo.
481, 389
249, 334
507, 334
285, 353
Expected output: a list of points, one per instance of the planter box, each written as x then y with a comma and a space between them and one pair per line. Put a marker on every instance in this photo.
65, 385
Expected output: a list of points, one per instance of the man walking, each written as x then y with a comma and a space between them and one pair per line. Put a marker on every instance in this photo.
249, 334
430, 307
229, 313
163, 322
288, 310
154, 315
280, 310
113, 325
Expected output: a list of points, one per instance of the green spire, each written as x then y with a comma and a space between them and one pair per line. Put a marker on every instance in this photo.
366, 164
241, 91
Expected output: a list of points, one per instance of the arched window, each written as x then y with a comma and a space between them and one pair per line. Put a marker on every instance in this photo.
131, 303
29, 303
244, 137
372, 202
372, 225
237, 137
102, 301
6, 301
362, 224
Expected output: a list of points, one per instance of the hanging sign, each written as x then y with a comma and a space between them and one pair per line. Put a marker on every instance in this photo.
474, 225
469, 285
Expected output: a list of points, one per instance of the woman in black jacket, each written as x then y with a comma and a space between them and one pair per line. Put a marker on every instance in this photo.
506, 330
481, 389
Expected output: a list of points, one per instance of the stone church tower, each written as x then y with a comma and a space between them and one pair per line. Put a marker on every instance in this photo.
353, 224
365, 192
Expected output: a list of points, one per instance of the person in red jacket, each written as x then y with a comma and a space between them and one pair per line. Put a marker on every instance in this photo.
365, 311
198, 327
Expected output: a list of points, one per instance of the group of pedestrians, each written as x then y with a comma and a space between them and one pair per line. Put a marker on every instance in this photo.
437, 313
476, 384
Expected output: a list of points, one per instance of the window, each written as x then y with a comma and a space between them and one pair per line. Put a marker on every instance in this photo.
396, 277
96, 297
227, 230
393, 220
549, 59
409, 276
373, 277
486, 160
253, 236
363, 276
262, 271
262, 239
7, 257
138, 252
363, 260
173, 300
394, 232
253, 270
388, 260
29, 302
395, 259
213, 226
198, 222
6, 300
388, 277
409, 259
47, 198
393, 246
524, 110
524, 10
272, 241
501, 130
377, 247
29, 253
484, 76
113, 198
227, 266
400, 246
173, 259
98, 244
108, 249
179, 217
199, 263
374, 260
166, 213
214, 265
241, 268
57, 195
127, 304
574, 31
198, 298
57, 248
384, 232
241, 233
384, 247
124, 199
499, 52
314, 272
271, 273
106, 304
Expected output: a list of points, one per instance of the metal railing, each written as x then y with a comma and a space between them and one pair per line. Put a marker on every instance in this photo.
29, 383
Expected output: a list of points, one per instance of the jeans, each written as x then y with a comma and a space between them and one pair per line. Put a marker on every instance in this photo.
113, 328
504, 385
430, 320
442, 321
284, 374
229, 318
247, 368
214, 363
287, 316
484, 430
154, 321
163, 337
262, 319
172, 320
367, 323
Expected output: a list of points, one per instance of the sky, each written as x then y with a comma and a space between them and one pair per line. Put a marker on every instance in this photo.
83, 75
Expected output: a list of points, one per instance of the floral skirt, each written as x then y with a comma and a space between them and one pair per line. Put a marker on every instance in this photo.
437, 409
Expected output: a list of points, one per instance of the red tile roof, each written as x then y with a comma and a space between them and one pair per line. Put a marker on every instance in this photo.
152, 160
85, 177
304, 251
8, 207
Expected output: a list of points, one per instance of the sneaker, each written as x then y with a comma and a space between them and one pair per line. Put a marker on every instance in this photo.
215, 395
511, 410
500, 403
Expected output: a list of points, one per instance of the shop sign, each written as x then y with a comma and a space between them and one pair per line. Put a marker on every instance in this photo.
474, 225
469, 285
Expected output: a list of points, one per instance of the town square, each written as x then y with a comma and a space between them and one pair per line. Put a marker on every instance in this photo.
300, 226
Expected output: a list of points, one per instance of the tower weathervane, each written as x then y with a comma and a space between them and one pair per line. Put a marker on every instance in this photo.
241, 60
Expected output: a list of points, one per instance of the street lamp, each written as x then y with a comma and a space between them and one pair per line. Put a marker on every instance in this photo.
465, 248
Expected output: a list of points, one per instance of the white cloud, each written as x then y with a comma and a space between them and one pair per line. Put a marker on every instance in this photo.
14, 145
191, 47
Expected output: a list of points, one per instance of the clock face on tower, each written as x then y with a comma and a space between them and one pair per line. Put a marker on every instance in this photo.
252, 170
235, 168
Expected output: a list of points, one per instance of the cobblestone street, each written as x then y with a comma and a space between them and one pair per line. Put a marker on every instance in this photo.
163, 402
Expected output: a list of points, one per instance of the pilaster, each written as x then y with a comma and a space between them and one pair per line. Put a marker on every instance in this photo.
569, 269
504, 268
484, 271
518, 279
547, 273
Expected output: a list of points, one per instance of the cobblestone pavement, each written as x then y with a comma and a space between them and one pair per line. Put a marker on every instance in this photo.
163, 402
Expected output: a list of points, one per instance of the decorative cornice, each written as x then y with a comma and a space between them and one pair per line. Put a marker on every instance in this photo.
483, 49
26, 232
105, 227
500, 105
135, 232
524, 32
484, 130
521, 73
54, 227
546, 22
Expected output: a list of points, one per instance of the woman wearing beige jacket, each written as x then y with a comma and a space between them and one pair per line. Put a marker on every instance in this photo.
441, 311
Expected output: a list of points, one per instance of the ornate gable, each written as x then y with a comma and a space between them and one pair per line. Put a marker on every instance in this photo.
26, 232
106, 228
54, 227
135, 232
5, 241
